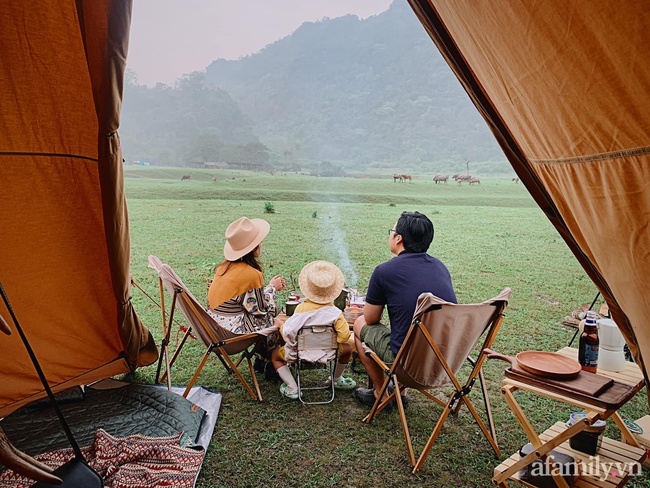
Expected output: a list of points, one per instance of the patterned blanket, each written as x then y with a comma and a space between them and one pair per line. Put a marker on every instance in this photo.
136, 461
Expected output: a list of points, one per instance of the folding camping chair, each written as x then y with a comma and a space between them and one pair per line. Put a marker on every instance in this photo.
442, 336
311, 340
217, 339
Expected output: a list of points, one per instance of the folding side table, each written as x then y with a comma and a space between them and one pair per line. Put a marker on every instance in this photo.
611, 454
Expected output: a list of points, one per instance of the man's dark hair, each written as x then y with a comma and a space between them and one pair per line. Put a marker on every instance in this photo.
416, 230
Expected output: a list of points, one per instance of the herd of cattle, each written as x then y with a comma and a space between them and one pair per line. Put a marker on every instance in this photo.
402, 178
458, 177
440, 178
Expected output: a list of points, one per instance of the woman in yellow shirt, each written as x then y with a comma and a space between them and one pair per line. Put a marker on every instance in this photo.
238, 298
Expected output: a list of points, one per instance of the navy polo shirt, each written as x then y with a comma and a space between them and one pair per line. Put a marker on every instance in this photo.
398, 283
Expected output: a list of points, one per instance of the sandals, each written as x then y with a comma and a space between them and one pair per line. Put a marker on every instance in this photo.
284, 390
344, 383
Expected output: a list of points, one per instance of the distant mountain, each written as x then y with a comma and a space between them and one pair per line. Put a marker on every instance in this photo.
337, 95
367, 92
189, 121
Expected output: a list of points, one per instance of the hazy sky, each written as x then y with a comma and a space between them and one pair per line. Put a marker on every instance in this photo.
173, 37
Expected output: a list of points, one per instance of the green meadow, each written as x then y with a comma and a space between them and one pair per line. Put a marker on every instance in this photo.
490, 236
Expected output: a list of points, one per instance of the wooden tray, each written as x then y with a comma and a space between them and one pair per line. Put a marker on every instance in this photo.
585, 383
609, 397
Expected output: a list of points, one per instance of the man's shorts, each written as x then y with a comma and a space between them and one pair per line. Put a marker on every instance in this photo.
377, 338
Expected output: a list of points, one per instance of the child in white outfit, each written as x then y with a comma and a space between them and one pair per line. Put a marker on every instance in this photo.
320, 282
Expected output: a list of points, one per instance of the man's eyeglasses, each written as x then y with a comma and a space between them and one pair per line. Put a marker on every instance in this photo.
390, 231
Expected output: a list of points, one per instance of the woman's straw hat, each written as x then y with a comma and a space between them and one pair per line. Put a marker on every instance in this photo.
321, 281
243, 235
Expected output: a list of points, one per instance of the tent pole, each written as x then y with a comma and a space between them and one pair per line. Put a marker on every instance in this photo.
66, 428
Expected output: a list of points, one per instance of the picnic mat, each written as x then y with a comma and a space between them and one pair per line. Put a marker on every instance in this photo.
136, 416
136, 461
123, 411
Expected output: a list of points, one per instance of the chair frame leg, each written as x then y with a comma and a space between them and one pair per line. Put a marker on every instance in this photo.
196, 373
402, 416
488, 408
177, 352
222, 354
167, 328
434, 435
332, 368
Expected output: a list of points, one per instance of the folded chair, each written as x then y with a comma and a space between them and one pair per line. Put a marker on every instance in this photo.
311, 339
441, 338
217, 339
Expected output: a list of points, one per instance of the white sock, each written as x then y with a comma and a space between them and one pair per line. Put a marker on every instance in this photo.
287, 377
338, 371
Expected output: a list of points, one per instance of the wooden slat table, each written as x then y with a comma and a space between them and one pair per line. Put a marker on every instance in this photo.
613, 456
631, 376
628, 457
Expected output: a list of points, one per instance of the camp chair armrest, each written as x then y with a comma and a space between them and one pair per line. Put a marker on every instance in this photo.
372, 355
242, 337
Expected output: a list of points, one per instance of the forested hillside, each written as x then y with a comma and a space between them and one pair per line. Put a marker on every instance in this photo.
357, 90
353, 93
187, 122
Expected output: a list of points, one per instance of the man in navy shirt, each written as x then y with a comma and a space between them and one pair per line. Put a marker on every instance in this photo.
397, 284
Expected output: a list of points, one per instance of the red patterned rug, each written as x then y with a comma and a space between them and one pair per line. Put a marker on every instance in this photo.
135, 461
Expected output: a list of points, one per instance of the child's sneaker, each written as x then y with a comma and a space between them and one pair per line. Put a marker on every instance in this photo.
284, 389
344, 383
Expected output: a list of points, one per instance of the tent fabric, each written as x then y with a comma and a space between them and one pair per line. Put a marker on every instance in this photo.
564, 88
64, 230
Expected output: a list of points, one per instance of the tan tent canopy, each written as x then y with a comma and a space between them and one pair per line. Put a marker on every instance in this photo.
64, 231
564, 87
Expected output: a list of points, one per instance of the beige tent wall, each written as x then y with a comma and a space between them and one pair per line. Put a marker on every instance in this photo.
63, 222
564, 87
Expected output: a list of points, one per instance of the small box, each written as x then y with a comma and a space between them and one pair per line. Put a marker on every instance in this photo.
538, 473
640, 429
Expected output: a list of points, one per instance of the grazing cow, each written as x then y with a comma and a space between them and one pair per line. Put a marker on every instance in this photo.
441, 178
515, 179
463, 178
214, 179
474, 179
397, 177
455, 177
186, 177
408, 177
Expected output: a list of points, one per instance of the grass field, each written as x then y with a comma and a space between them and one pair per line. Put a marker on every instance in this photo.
490, 236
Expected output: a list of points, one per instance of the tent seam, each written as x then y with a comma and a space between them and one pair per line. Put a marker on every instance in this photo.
49, 155
638, 151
